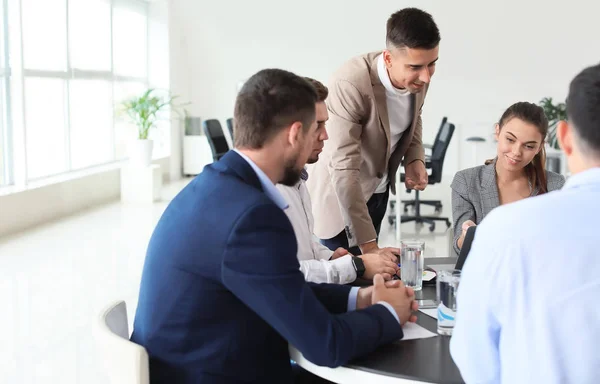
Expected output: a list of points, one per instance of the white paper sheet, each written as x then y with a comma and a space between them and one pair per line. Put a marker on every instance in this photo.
428, 275
430, 312
415, 331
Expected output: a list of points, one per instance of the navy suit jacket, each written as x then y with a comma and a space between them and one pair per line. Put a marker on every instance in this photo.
222, 293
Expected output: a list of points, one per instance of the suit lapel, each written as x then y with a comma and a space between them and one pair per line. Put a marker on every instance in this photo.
381, 102
490, 198
237, 165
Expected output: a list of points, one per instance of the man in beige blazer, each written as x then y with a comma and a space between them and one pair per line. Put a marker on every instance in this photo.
375, 126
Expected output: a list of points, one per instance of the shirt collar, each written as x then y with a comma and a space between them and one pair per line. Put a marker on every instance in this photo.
588, 177
385, 79
304, 174
270, 190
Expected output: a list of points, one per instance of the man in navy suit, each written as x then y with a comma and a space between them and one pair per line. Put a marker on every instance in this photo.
222, 293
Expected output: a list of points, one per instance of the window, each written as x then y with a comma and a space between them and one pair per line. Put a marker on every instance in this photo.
125, 131
89, 35
91, 135
72, 62
45, 117
129, 42
44, 34
5, 176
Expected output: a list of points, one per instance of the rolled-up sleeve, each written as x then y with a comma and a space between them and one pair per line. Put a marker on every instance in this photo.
339, 271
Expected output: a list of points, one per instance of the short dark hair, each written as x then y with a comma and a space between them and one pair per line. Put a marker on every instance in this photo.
322, 91
583, 109
412, 28
270, 100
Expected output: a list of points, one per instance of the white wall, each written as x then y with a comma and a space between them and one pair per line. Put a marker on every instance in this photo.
491, 55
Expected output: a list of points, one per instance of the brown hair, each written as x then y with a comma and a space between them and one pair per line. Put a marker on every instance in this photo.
269, 101
534, 115
322, 91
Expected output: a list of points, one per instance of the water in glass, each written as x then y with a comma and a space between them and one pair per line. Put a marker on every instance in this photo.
411, 263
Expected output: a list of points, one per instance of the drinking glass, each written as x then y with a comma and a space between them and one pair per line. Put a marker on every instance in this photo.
412, 258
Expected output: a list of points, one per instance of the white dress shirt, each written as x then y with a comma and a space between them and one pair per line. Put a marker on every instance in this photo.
527, 310
400, 113
312, 255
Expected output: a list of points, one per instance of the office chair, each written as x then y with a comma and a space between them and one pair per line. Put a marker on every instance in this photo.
216, 138
229, 123
435, 203
435, 162
124, 361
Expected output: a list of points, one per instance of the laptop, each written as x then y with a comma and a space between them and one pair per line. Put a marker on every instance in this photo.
462, 256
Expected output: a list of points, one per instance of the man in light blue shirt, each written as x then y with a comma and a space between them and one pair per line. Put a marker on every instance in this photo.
527, 302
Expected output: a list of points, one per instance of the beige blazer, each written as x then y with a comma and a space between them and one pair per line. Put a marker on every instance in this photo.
357, 154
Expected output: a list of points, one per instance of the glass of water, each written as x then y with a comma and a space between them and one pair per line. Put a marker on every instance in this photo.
412, 258
446, 286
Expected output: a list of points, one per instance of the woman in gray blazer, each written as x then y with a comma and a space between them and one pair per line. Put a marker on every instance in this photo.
517, 172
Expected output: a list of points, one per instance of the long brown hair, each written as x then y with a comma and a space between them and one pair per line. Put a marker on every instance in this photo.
534, 115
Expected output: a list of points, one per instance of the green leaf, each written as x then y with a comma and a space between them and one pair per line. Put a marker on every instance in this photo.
554, 114
143, 110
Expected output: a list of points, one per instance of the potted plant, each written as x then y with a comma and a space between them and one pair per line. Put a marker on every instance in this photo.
144, 112
554, 113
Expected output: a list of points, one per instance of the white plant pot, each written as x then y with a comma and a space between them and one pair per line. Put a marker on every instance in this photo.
140, 152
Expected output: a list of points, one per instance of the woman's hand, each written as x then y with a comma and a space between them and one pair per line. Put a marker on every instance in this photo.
465, 227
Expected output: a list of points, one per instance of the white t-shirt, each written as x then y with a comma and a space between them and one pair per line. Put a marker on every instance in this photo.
400, 114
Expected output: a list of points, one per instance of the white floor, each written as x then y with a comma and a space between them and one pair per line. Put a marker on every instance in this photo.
55, 279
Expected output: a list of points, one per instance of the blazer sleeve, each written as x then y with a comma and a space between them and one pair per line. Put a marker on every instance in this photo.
333, 296
555, 181
346, 112
260, 267
462, 207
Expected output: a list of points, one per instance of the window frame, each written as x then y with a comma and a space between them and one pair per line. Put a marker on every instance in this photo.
68, 75
5, 103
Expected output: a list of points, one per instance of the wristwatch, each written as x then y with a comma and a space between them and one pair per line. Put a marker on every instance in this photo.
359, 266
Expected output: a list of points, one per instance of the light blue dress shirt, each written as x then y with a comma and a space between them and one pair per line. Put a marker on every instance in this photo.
527, 301
273, 193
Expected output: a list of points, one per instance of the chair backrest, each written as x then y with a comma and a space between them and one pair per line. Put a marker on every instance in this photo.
438, 151
125, 362
437, 135
216, 138
229, 123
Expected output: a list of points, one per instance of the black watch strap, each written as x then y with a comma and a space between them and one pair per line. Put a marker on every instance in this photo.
359, 266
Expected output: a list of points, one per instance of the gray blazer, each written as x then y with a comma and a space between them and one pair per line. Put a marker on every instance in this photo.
475, 194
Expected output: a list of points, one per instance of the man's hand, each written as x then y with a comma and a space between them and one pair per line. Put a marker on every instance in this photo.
339, 253
369, 247
464, 228
364, 296
372, 247
415, 175
379, 263
391, 253
400, 297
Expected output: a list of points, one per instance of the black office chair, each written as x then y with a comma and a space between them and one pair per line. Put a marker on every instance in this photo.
216, 138
437, 136
229, 123
435, 162
435, 203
